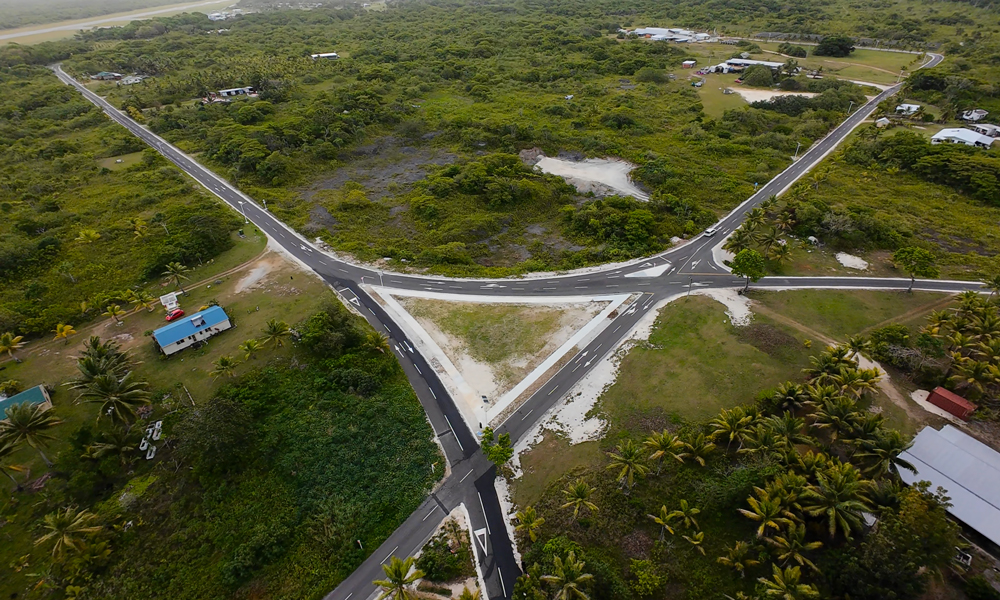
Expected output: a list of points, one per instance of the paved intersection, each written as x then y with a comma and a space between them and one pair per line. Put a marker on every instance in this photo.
472, 476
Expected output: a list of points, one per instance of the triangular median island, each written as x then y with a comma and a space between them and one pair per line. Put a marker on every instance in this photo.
492, 353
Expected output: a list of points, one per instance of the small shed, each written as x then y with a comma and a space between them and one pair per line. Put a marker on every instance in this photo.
688, 64
188, 331
951, 402
35, 395
907, 109
882, 122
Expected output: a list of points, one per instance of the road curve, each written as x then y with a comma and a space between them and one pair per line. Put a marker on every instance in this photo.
471, 481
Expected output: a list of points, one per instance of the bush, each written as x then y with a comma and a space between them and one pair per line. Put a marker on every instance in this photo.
834, 45
758, 76
792, 50
439, 562
978, 588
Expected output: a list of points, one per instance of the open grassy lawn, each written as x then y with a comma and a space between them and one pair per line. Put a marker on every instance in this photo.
840, 314
713, 101
875, 66
127, 160
550, 460
696, 364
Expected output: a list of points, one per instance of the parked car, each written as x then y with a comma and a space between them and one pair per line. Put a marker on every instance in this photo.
175, 314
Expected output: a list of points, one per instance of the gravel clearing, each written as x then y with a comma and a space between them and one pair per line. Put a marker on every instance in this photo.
852, 262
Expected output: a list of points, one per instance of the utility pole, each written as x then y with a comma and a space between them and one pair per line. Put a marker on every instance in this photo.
797, 146
850, 107
242, 210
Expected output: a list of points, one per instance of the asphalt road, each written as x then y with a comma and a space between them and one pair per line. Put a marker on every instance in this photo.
470, 482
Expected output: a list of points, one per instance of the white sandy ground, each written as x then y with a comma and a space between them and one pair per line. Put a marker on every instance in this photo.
852, 262
488, 380
751, 95
255, 276
610, 172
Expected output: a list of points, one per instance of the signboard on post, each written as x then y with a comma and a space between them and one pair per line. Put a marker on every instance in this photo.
169, 301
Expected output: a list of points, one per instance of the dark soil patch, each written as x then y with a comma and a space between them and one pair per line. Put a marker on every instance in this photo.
767, 338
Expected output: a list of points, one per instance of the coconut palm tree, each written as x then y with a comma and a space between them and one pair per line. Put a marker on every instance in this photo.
630, 462
141, 299
88, 236
139, 227
376, 340
784, 222
119, 441
789, 428
770, 239
738, 558
118, 398
756, 218
568, 578
250, 348
787, 489
696, 539
67, 529
9, 343
7, 449
90, 367
937, 323
114, 311
786, 585
884, 453
973, 376
741, 239
686, 514
781, 253
30, 424
175, 272
470, 595
700, 448
399, 575
837, 415
275, 332
791, 546
811, 463
662, 445
224, 365
663, 520
578, 496
63, 332
993, 285
731, 425
528, 521
768, 512
762, 440
789, 396
885, 494
839, 498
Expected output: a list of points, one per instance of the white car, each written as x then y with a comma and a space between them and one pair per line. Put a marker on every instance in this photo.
711, 231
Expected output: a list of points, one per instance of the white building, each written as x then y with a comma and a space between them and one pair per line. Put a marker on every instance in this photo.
736, 65
326, 55
243, 91
967, 469
986, 129
907, 109
188, 331
962, 136
976, 114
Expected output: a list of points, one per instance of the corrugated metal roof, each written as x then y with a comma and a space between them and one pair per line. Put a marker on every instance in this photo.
969, 471
185, 326
34, 395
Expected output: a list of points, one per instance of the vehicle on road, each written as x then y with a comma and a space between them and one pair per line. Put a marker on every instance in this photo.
175, 314
711, 231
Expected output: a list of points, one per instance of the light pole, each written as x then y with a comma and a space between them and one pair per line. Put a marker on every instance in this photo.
380, 278
850, 107
265, 204
242, 210
797, 146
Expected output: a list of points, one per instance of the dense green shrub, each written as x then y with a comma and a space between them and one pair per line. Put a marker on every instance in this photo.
834, 45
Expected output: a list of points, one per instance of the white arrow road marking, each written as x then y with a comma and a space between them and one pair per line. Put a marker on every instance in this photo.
481, 538
356, 301
408, 346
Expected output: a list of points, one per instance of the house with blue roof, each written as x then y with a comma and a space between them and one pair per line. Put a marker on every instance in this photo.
35, 395
189, 330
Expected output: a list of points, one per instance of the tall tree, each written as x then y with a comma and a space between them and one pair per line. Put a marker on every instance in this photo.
7, 449
748, 263
700, 447
275, 333
176, 272
885, 453
663, 520
630, 463
787, 585
67, 529
738, 558
10, 343
63, 332
568, 578
839, 498
662, 445
118, 398
686, 514
498, 449
528, 521
578, 496
791, 546
731, 425
399, 576
250, 348
915, 262
768, 512
30, 424
115, 312
224, 366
